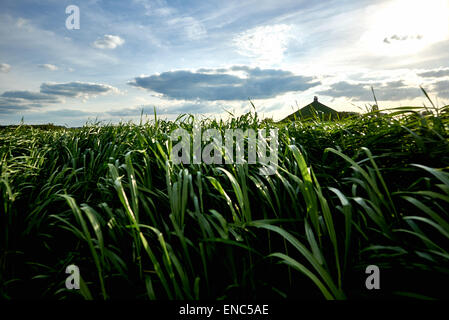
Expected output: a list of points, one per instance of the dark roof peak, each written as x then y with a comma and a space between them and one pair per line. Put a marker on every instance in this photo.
311, 110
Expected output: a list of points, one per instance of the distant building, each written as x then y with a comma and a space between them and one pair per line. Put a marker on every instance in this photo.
317, 110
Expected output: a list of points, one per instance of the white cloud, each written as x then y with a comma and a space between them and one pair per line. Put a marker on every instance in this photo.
265, 43
27, 41
108, 42
155, 8
23, 23
193, 29
4, 67
48, 66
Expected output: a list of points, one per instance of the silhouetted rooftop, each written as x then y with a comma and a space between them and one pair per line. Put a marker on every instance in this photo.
314, 108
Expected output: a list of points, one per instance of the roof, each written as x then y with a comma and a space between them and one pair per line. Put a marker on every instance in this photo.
311, 109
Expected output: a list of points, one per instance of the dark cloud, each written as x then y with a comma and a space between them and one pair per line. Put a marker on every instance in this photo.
206, 70
7, 107
204, 85
29, 96
393, 84
396, 37
393, 91
76, 89
442, 88
14, 101
434, 73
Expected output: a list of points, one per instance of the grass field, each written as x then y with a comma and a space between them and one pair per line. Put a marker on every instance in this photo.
368, 190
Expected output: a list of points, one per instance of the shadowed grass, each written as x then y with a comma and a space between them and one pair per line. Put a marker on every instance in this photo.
372, 189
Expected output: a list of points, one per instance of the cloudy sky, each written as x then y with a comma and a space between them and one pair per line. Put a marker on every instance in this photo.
210, 57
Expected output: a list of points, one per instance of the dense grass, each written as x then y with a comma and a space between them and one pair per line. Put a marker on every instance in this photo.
347, 194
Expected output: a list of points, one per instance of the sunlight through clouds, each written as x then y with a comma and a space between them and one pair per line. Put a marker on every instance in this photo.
404, 27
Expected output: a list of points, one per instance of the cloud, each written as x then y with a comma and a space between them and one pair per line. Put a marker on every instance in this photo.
7, 107
442, 88
194, 30
221, 85
434, 73
207, 70
361, 91
395, 37
156, 8
265, 43
21, 22
77, 89
173, 18
108, 42
50, 93
14, 101
33, 42
4, 67
47, 66
29, 96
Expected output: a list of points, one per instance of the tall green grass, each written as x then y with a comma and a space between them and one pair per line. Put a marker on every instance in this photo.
371, 189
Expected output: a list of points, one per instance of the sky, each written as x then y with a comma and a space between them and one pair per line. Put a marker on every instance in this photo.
212, 57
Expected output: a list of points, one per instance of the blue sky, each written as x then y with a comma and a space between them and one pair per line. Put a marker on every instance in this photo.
206, 57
